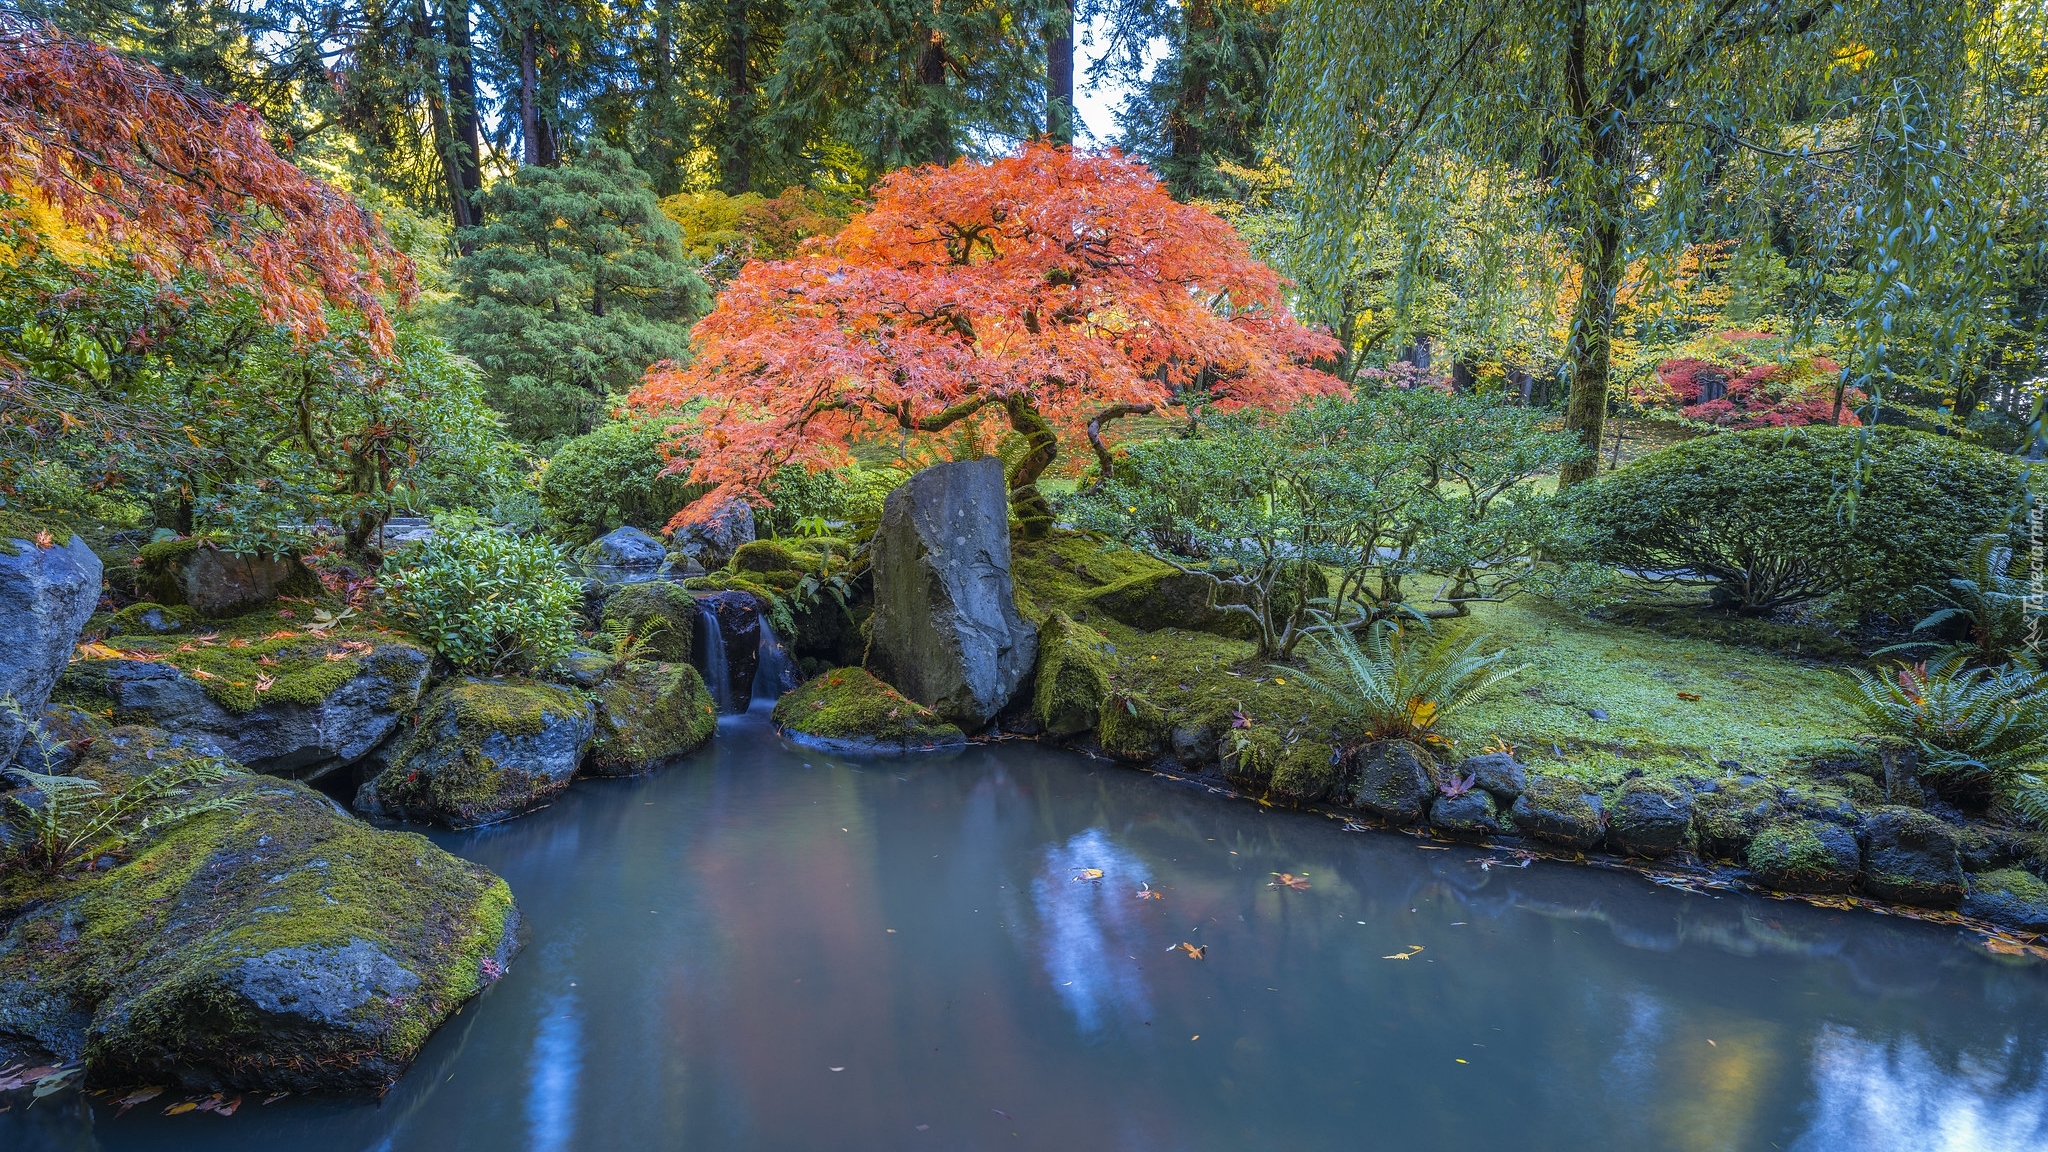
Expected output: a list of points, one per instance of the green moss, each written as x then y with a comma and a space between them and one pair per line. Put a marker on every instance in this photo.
18, 526
662, 612
651, 713
130, 620
1074, 663
514, 707
1790, 854
234, 659
160, 553
764, 556
1802, 641
1132, 727
466, 783
850, 704
158, 935
2016, 882
1725, 820
1304, 772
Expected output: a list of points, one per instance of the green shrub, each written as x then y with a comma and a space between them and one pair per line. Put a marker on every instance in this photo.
1764, 515
486, 600
1981, 725
851, 495
611, 477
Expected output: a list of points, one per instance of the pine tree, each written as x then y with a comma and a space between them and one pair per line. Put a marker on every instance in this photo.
576, 284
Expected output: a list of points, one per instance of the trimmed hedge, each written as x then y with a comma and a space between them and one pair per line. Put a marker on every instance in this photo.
610, 477
1763, 514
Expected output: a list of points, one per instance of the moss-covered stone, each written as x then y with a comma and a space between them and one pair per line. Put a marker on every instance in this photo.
2009, 897
1074, 663
1728, 818
1305, 772
1560, 810
662, 613
1394, 780
483, 751
1650, 817
149, 619
1469, 815
649, 713
276, 947
582, 667
764, 556
1132, 727
848, 709
1804, 856
1909, 856
196, 572
1168, 598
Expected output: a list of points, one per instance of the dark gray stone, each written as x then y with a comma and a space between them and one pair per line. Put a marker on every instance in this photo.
1805, 855
1395, 780
484, 751
627, 547
712, 539
46, 596
215, 583
1651, 818
1725, 820
1468, 814
282, 738
323, 985
2009, 898
1194, 746
946, 631
1910, 857
1496, 772
582, 667
1560, 810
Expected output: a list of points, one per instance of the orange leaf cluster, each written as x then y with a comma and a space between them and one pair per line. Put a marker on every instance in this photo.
177, 180
1068, 282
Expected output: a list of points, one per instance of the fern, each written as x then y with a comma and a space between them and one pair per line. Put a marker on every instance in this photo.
1979, 724
1998, 609
74, 817
1394, 684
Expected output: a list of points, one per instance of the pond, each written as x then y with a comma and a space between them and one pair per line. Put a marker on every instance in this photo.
767, 947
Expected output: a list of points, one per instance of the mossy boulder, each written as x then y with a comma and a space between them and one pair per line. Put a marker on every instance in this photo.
2010, 898
1132, 727
275, 947
1498, 773
1650, 817
626, 547
294, 705
47, 593
483, 751
582, 667
216, 583
1467, 816
150, 619
1560, 810
766, 556
662, 613
649, 713
1074, 664
1909, 856
1395, 780
1805, 856
1169, 598
1305, 772
1725, 820
848, 710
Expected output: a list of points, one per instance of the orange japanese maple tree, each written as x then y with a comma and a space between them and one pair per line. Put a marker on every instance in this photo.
1052, 290
173, 179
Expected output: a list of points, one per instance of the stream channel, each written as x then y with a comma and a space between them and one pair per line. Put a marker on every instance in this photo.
768, 947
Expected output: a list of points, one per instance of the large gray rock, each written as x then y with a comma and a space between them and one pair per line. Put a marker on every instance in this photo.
1497, 773
711, 539
215, 583
1466, 815
46, 595
484, 751
627, 547
1560, 810
295, 738
277, 947
2010, 898
1396, 780
946, 629
1910, 857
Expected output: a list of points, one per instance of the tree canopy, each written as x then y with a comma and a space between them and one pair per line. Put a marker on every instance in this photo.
1055, 288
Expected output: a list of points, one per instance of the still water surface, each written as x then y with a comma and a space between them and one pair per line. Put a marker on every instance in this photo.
766, 947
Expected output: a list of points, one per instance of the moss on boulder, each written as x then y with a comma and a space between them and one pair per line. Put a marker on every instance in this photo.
483, 751
1074, 665
1909, 856
1805, 856
1560, 810
1168, 598
2009, 897
279, 946
1395, 780
1650, 817
197, 572
1132, 727
148, 619
1305, 772
649, 713
662, 613
1725, 820
849, 710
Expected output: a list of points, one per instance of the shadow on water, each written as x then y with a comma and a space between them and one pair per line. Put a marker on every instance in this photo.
766, 947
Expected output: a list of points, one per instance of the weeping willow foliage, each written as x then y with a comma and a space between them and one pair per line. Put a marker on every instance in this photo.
1891, 151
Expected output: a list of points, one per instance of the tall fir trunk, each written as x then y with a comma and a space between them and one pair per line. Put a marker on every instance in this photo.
932, 143
529, 82
1059, 77
663, 149
468, 151
737, 164
1184, 122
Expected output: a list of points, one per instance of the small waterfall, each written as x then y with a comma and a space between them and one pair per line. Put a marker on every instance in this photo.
710, 651
773, 672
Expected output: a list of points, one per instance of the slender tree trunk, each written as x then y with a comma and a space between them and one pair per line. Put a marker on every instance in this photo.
1041, 447
662, 146
1183, 124
932, 141
467, 160
529, 81
1059, 77
1589, 355
738, 162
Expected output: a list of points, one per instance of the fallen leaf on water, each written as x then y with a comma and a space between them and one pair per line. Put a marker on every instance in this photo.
139, 1096
180, 1108
1711, 1044
1089, 874
275, 1098
1195, 1037
15, 1077
1412, 951
1145, 892
1194, 951
1289, 880
1000, 1112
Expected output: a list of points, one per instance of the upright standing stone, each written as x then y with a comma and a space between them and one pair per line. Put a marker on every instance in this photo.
46, 596
946, 629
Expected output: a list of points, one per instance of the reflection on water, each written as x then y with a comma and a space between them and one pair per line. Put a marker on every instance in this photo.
768, 948
1893, 1096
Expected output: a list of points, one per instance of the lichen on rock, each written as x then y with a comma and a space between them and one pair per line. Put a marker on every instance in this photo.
848, 709
1805, 855
483, 751
648, 713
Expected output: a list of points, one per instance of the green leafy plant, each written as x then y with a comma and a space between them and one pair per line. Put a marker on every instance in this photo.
1998, 609
1980, 725
1396, 681
613, 476
488, 601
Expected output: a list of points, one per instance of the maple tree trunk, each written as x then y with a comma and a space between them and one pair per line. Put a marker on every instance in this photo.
1034, 512
1059, 80
1105, 463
